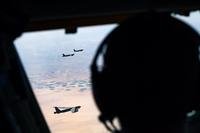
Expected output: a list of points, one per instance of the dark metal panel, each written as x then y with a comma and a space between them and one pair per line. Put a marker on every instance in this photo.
89, 12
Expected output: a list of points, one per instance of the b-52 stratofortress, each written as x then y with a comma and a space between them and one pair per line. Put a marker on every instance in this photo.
66, 109
78, 50
67, 55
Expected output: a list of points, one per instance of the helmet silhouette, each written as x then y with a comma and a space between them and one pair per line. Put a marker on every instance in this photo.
150, 74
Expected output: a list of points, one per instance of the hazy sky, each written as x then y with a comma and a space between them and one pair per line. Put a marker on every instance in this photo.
41, 52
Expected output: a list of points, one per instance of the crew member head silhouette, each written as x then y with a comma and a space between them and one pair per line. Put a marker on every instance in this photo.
150, 74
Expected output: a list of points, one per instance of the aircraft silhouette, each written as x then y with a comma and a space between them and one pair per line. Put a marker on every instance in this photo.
66, 109
78, 50
67, 55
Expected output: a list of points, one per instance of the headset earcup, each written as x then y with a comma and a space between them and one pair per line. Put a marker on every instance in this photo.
100, 89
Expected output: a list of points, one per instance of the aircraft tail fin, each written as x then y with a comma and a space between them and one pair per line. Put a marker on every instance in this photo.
57, 110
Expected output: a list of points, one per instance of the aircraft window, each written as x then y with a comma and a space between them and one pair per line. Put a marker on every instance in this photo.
57, 65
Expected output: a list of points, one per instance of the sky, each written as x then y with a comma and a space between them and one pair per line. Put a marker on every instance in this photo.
41, 53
